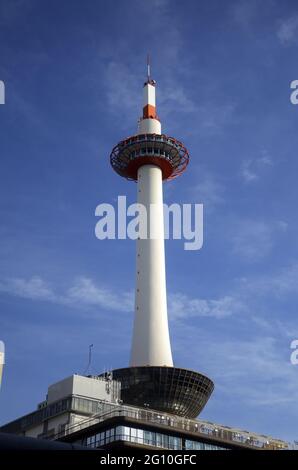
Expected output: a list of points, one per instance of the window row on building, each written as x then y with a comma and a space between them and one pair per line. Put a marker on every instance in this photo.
144, 437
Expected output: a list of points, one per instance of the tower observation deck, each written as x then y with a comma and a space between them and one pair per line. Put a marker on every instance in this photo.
149, 157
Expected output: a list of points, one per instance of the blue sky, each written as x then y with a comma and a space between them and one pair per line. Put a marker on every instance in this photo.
74, 72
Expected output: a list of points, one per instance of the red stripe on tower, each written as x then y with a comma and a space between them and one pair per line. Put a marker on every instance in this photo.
149, 111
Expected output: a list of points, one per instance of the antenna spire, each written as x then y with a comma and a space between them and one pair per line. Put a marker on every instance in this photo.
89, 359
148, 67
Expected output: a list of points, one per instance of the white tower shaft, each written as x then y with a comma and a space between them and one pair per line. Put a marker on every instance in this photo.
151, 339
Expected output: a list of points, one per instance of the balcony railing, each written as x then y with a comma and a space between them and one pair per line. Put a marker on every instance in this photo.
199, 427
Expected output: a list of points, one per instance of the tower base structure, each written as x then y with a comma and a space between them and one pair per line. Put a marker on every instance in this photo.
181, 392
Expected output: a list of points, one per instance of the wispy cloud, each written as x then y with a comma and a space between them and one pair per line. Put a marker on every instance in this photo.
287, 31
34, 288
248, 174
280, 283
83, 292
182, 307
253, 168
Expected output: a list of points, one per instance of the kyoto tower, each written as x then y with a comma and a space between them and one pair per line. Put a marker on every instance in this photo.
149, 158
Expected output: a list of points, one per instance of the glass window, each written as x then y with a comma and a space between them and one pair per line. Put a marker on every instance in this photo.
177, 444
126, 433
165, 441
171, 442
100, 439
110, 435
148, 437
140, 435
133, 435
119, 431
159, 440
189, 444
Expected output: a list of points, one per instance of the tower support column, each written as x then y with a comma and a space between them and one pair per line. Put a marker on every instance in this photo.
151, 339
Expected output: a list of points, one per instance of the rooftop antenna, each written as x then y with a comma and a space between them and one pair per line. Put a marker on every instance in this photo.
89, 359
148, 68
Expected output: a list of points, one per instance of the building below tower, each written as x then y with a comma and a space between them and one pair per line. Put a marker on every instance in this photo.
89, 411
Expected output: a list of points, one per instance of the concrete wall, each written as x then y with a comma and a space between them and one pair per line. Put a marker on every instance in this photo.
35, 431
82, 386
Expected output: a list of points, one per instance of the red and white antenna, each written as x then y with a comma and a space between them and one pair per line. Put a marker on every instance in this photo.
149, 123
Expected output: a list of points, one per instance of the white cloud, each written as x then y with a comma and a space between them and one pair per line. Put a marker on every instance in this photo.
85, 291
253, 168
288, 30
182, 307
247, 173
280, 283
34, 288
